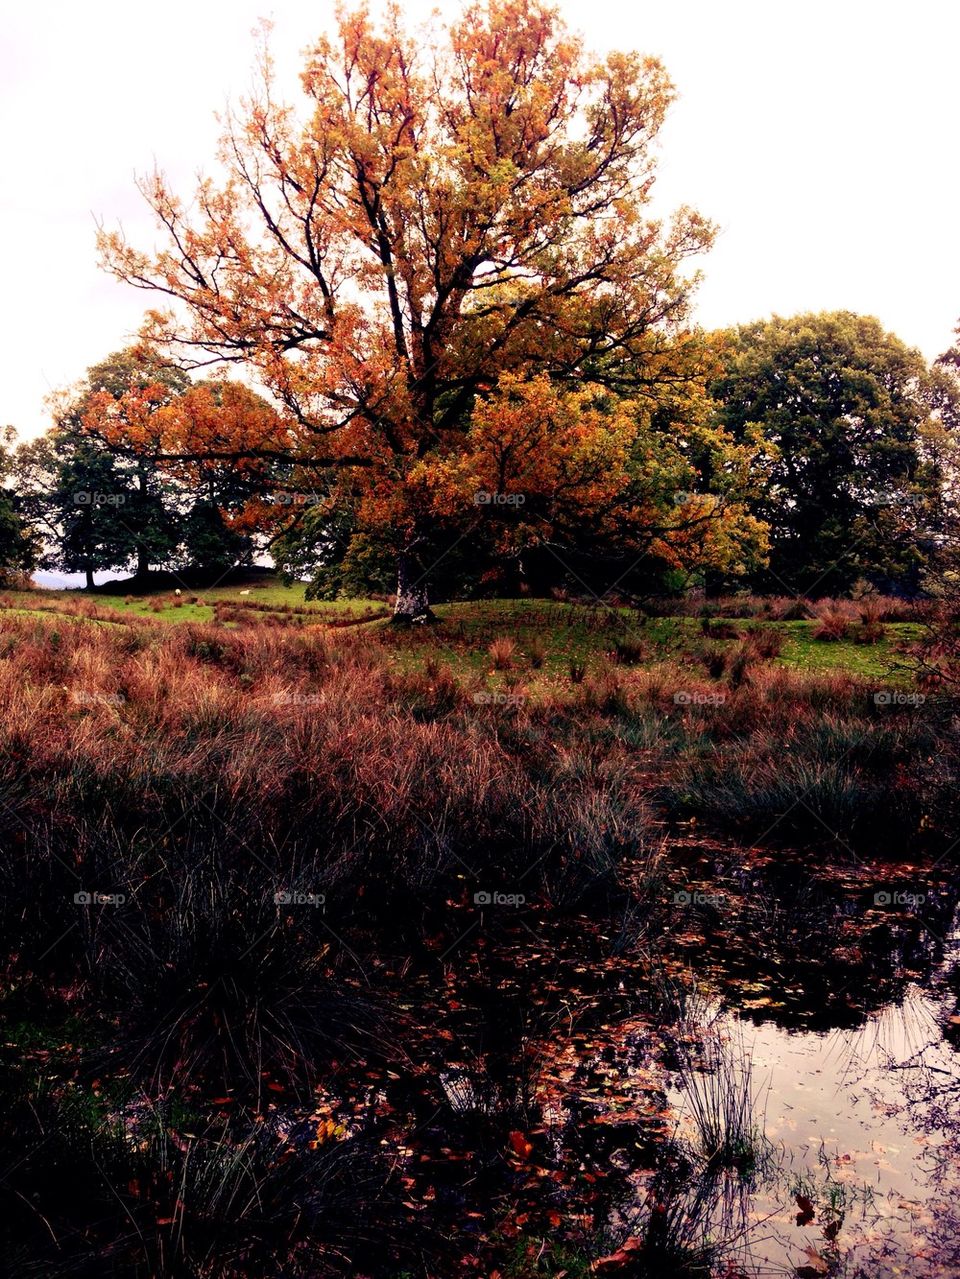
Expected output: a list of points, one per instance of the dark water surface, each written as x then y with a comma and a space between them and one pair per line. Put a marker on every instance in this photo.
754, 1074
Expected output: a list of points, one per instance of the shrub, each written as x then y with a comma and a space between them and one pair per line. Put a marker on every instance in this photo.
605, 693
715, 661
833, 623
502, 652
630, 651
868, 632
765, 642
129, 1192
720, 1098
787, 609
815, 778
741, 660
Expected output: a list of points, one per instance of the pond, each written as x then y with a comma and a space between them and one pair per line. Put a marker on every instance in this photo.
753, 1073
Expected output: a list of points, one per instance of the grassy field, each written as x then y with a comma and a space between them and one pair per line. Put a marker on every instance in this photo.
192, 606
549, 639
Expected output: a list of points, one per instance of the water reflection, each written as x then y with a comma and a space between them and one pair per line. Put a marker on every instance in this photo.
763, 1082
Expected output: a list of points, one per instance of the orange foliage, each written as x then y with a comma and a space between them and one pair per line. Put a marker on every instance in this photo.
434, 269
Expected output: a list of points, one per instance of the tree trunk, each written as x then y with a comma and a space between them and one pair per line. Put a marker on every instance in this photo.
412, 600
89, 573
143, 563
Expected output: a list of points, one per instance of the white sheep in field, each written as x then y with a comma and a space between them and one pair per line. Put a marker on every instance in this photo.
178, 592
244, 592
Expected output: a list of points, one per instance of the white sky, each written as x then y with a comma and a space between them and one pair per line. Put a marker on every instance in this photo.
821, 136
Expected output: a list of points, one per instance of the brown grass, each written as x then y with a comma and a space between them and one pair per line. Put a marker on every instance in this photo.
503, 651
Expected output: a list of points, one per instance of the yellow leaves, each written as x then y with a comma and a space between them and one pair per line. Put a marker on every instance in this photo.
326, 1131
532, 438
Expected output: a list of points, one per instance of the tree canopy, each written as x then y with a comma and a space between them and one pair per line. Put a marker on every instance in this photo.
18, 547
100, 493
449, 225
848, 421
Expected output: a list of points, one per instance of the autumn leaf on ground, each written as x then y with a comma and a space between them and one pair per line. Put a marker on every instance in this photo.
622, 1257
520, 1146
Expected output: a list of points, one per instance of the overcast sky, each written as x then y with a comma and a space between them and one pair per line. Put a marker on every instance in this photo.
821, 136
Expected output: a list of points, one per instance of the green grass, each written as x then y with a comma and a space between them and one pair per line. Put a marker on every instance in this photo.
270, 592
866, 661
567, 633
467, 629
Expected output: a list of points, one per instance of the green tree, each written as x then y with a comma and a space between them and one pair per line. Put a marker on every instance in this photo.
18, 548
75, 496
848, 419
207, 540
150, 512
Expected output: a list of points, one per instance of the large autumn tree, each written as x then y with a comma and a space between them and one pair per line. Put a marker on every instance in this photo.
449, 220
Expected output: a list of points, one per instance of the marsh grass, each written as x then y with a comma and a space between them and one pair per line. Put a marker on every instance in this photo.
720, 1100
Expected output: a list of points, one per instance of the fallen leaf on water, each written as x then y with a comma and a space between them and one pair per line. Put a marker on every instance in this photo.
807, 1211
817, 1265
